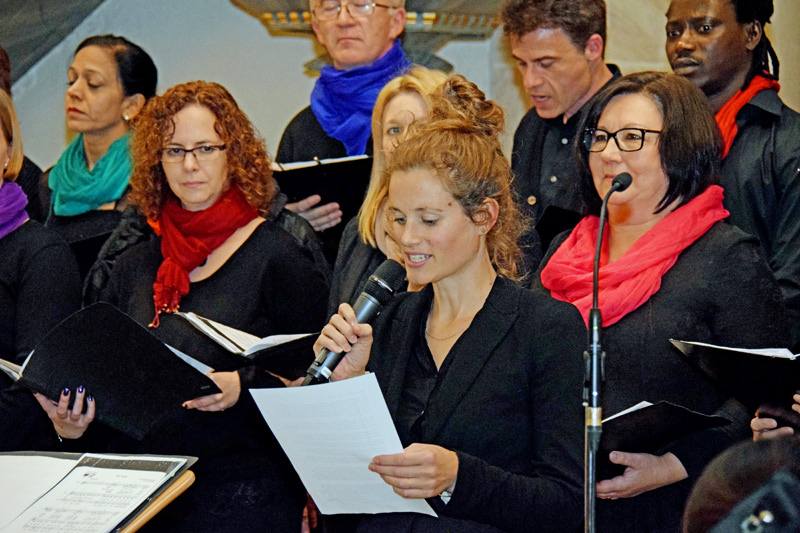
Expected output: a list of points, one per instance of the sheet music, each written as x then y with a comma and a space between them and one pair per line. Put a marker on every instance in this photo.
96, 495
331, 432
25, 478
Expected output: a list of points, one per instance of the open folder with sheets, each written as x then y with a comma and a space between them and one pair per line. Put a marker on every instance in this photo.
331, 432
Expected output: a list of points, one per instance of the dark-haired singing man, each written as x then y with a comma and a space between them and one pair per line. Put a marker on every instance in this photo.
559, 47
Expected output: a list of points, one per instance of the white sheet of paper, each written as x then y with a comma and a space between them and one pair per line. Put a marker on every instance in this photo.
781, 353
640, 405
331, 432
25, 478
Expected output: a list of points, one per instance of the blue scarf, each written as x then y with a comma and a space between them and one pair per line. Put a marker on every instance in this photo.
76, 190
342, 100
12, 207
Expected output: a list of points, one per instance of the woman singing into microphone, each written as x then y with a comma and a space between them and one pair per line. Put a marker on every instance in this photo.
482, 377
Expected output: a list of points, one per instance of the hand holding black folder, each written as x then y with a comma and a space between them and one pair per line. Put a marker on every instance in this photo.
134, 378
648, 430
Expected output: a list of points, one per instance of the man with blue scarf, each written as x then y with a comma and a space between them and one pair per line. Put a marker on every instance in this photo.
362, 39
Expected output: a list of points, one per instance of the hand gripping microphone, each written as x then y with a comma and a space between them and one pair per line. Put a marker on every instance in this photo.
380, 288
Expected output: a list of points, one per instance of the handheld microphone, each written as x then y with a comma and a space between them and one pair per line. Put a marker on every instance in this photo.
380, 288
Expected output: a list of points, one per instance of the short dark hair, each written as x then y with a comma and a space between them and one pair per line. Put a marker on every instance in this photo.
5, 71
137, 72
765, 59
734, 475
690, 143
579, 19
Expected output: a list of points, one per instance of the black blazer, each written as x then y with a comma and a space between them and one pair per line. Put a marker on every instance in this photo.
509, 406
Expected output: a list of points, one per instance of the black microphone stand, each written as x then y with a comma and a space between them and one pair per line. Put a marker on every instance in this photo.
595, 374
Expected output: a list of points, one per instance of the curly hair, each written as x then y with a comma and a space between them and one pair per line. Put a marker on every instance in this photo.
418, 80
248, 162
460, 144
579, 19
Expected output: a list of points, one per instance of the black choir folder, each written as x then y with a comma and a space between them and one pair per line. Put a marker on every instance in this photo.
648, 428
763, 379
343, 180
288, 356
134, 378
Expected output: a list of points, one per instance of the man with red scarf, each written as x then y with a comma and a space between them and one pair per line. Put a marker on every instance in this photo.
721, 47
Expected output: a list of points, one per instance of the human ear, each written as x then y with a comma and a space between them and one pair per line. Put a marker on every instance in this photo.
398, 22
594, 47
753, 33
132, 105
485, 217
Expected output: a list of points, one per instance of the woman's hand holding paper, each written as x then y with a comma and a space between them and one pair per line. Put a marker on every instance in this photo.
421, 471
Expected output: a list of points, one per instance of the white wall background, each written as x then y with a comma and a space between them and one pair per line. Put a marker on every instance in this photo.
214, 40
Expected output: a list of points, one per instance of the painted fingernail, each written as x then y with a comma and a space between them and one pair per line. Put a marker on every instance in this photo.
65, 392
89, 399
80, 389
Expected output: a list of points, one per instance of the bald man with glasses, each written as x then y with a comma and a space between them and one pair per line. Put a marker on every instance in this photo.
362, 41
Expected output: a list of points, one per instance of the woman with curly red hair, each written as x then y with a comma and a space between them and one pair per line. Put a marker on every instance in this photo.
202, 177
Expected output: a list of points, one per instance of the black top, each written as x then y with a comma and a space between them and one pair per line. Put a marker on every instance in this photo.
509, 404
355, 263
546, 183
761, 177
719, 291
28, 179
269, 285
304, 139
39, 287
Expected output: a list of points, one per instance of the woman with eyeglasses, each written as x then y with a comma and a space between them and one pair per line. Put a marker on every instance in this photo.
202, 177
670, 268
85, 192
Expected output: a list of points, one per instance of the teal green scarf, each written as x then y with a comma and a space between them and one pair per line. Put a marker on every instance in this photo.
76, 190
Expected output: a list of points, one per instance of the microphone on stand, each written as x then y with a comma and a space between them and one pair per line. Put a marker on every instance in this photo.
593, 382
380, 288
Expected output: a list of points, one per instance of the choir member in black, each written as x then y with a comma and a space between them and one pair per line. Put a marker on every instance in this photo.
84, 194
365, 244
482, 377
39, 283
200, 175
669, 268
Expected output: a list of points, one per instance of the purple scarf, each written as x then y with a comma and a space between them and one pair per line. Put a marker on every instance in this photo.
12, 207
342, 100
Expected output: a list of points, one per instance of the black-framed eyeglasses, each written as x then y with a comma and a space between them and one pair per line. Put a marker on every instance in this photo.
329, 10
205, 152
627, 139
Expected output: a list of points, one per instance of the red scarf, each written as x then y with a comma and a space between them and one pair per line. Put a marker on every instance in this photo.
188, 237
726, 116
631, 280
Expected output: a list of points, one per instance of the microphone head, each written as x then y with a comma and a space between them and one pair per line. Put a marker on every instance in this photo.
621, 182
386, 281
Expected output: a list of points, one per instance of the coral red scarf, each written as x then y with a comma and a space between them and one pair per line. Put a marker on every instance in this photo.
726, 116
631, 280
187, 237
